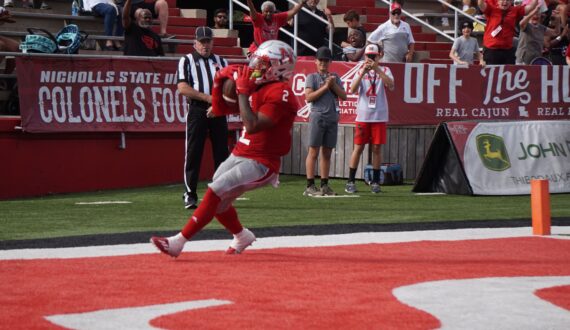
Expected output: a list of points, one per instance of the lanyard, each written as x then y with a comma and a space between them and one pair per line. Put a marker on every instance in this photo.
372, 90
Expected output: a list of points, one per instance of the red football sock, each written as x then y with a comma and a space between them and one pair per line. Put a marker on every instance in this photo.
230, 220
203, 214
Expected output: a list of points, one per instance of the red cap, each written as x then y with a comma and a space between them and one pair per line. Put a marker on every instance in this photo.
395, 6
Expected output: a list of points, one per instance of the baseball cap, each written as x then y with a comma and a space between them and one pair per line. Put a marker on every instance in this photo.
395, 6
467, 25
372, 49
204, 32
324, 53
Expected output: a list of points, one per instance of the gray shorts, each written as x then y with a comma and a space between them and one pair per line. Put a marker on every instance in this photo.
322, 131
236, 175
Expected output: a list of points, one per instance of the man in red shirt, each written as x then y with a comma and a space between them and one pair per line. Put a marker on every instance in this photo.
502, 17
256, 158
267, 23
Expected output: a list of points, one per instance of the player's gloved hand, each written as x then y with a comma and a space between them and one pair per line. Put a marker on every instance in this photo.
219, 106
245, 84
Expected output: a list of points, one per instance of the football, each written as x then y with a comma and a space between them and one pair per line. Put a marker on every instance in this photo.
229, 91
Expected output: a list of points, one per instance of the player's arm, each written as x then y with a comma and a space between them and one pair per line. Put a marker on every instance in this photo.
253, 122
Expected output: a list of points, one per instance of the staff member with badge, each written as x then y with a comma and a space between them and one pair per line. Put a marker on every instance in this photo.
195, 81
371, 114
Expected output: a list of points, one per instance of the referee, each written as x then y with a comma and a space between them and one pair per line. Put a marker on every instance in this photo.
195, 80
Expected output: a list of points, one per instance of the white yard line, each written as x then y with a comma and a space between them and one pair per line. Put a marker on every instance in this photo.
103, 203
287, 242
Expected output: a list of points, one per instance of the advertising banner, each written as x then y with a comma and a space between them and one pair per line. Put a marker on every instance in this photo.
427, 94
502, 158
63, 95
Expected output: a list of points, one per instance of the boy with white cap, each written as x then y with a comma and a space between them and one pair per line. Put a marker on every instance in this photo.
371, 113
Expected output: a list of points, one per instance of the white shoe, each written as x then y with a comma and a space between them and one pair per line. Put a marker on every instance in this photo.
168, 245
241, 241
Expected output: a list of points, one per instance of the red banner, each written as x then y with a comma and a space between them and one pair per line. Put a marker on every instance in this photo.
433, 93
59, 95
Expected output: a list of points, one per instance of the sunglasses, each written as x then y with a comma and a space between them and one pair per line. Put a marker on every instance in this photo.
371, 56
222, 16
397, 13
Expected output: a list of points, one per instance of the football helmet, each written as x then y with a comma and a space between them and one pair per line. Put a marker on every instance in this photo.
274, 60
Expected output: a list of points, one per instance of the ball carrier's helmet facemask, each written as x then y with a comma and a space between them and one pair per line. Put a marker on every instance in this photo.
274, 60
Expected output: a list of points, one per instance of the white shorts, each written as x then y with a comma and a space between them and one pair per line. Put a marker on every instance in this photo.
236, 175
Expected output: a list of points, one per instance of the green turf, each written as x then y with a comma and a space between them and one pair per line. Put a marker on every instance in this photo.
161, 208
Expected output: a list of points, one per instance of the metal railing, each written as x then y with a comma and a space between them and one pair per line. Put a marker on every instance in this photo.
292, 35
433, 28
457, 12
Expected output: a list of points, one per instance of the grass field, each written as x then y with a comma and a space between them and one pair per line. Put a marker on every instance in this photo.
161, 208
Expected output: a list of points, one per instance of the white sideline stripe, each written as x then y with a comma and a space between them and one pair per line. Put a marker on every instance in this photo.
429, 194
103, 203
336, 196
287, 242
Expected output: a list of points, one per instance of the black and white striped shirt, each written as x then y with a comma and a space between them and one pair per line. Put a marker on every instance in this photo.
199, 72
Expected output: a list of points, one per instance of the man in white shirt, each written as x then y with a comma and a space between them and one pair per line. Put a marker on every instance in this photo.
395, 36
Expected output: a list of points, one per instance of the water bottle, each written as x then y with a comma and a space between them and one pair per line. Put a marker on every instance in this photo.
74, 8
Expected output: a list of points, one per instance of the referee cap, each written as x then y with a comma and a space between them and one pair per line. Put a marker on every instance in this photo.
204, 32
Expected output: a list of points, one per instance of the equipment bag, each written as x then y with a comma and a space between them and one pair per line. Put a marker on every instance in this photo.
390, 174
67, 40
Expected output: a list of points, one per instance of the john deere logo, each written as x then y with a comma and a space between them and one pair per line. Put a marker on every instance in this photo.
492, 151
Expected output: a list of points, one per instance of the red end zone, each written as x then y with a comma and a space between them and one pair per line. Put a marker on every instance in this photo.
324, 287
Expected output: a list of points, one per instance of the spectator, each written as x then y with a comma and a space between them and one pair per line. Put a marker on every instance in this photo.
221, 18
395, 37
140, 40
7, 44
27, 4
468, 7
501, 20
267, 23
558, 46
322, 90
256, 159
158, 9
312, 30
445, 10
352, 20
355, 49
111, 20
195, 80
532, 37
371, 114
465, 47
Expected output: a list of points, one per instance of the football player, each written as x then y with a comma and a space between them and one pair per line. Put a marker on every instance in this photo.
267, 107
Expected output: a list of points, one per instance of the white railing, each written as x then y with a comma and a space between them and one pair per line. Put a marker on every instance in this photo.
292, 35
433, 28
458, 12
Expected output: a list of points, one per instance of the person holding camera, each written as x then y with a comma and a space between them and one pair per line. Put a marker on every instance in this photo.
371, 114
322, 90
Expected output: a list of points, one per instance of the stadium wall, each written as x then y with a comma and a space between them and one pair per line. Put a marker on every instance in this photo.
42, 164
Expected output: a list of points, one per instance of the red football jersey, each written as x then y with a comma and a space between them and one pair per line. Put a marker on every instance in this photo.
276, 101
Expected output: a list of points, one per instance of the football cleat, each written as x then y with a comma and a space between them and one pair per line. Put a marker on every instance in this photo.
241, 241
167, 246
350, 187
327, 191
375, 187
312, 191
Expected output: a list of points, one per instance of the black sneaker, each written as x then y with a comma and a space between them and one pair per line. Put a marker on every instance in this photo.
190, 201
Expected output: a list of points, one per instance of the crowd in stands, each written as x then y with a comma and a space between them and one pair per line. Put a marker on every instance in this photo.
514, 37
